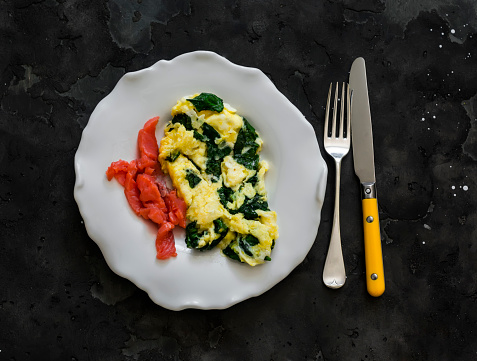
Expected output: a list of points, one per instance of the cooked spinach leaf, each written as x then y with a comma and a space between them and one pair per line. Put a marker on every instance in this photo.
245, 148
183, 119
221, 228
193, 235
251, 240
192, 178
246, 138
225, 195
245, 247
213, 168
210, 132
247, 160
215, 155
246, 242
199, 136
218, 152
173, 156
215, 152
253, 180
250, 205
267, 258
207, 101
229, 252
212, 244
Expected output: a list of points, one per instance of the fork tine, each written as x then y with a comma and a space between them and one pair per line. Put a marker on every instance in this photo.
327, 114
333, 126
348, 115
341, 130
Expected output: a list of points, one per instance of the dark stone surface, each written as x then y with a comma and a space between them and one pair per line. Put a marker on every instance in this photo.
60, 301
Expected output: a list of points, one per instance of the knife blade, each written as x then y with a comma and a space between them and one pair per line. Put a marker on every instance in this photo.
363, 154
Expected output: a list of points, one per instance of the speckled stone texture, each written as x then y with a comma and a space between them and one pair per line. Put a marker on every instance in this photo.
60, 301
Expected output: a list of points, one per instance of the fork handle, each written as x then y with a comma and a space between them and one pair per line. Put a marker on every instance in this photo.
334, 273
372, 248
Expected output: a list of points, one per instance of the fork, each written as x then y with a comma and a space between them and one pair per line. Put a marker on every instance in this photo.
337, 144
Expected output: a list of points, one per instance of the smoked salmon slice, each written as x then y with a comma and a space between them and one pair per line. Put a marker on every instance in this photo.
148, 196
149, 191
165, 246
146, 140
131, 190
118, 170
177, 208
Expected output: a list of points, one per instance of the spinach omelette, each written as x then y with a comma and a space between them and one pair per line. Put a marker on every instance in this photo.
212, 156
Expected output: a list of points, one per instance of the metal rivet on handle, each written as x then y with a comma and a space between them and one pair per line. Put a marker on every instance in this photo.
369, 219
367, 190
374, 276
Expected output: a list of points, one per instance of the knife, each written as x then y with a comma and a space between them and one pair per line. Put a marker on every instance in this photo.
363, 154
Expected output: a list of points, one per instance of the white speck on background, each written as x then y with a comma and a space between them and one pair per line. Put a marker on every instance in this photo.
430, 29
434, 117
450, 166
440, 46
455, 194
426, 226
423, 242
465, 188
453, 187
423, 119
452, 31
442, 33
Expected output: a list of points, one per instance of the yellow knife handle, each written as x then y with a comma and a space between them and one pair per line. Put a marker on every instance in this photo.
372, 248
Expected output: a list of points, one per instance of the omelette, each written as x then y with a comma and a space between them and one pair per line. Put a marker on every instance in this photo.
212, 156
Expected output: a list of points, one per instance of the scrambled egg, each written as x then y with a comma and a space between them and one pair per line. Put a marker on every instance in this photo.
211, 155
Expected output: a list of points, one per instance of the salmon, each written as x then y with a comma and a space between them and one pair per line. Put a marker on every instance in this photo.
165, 246
149, 191
146, 162
177, 208
131, 190
149, 197
118, 170
146, 140
154, 170
156, 214
155, 207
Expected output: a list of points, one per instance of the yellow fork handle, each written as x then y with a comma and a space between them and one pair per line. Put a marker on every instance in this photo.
372, 248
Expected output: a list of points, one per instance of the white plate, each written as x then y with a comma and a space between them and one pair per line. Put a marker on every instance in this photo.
296, 181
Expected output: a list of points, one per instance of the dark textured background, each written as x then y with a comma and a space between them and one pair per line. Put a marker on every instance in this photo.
60, 301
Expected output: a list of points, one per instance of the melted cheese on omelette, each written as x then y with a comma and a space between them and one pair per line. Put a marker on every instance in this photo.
212, 156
